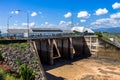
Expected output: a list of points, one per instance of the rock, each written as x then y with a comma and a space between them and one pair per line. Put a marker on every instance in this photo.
12, 55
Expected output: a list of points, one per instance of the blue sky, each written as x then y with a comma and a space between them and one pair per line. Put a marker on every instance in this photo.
60, 13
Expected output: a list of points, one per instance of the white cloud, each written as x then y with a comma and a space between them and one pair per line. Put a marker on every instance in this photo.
24, 24
12, 12
46, 23
105, 23
15, 24
32, 24
112, 21
62, 22
16, 12
69, 23
116, 15
83, 14
116, 5
69, 14
34, 14
62, 25
82, 20
101, 11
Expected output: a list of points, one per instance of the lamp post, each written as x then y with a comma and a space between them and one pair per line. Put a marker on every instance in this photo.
27, 14
8, 26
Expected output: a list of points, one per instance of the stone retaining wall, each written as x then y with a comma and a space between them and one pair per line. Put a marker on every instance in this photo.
14, 54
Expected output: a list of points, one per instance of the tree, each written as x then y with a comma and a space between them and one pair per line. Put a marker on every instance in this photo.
99, 34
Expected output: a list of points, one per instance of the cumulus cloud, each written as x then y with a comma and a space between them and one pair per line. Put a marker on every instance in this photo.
69, 14
112, 21
12, 12
32, 24
62, 22
15, 24
62, 25
116, 5
101, 11
82, 20
105, 23
116, 15
69, 23
16, 12
34, 14
65, 24
46, 23
83, 14
24, 24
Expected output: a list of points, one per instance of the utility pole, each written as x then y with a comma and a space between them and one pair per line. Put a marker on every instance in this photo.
27, 15
8, 20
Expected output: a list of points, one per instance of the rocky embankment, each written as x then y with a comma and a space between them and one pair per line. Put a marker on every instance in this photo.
22, 53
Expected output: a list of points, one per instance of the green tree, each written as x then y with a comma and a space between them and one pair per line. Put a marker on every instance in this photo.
99, 34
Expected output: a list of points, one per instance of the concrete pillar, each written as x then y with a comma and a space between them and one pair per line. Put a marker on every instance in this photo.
65, 48
43, 51
78, 46
50, 52
70, 48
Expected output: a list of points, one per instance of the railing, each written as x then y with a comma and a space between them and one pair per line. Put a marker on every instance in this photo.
39, 35
49, 35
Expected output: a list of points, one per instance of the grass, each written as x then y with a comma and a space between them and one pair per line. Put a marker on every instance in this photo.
20, 45
107, 35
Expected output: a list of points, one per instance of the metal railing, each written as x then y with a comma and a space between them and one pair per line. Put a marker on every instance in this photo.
38, 35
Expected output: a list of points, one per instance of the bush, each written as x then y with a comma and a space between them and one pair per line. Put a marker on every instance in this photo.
25, 72
99, 34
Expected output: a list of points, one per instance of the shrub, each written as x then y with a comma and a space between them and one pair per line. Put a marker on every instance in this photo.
99, 34
25, 72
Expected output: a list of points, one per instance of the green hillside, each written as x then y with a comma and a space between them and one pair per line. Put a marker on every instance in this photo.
114, 35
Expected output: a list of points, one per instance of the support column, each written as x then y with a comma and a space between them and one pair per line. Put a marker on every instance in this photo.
50, 52
70, 48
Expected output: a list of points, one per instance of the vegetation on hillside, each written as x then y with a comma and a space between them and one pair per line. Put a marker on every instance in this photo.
4, 75
25, 73
99, 34
114, 35
106, 36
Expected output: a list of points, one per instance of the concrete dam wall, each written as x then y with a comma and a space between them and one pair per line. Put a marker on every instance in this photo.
108, 50
69, 48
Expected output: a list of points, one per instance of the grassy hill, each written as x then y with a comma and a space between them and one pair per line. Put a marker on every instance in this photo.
115, 35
